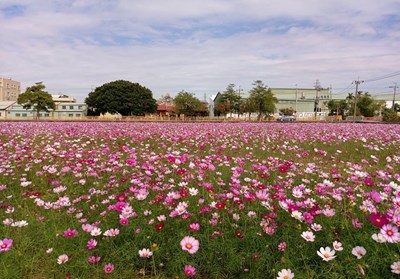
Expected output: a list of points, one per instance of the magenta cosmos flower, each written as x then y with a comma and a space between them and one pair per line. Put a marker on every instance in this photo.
108, 268
5, 244
189, 270
190, 244
70, 233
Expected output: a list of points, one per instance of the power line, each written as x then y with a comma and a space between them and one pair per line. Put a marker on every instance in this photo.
349, 87
383, 77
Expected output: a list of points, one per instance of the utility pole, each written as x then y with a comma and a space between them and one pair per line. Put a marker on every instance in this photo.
318, 88
357, 82
295, 104
394, 93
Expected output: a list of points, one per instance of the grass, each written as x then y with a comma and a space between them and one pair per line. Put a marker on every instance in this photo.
156, 166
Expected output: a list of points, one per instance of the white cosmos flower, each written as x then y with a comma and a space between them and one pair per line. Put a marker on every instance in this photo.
326, 254
378, 237
395, 267
359, 251
95, 231
308, 236
285, 274
62, 259
337, 246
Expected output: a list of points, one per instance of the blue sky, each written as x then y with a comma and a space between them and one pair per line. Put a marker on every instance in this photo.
200, 46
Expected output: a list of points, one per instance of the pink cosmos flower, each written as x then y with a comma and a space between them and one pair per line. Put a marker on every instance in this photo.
108, 268
94, 259
70, 233
356, 223
91, 244
390, 233
5, 244
111, 232
282, 246
190, 244
194, 226
189, 270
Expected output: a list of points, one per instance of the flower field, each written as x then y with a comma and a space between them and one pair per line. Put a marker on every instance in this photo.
200, 200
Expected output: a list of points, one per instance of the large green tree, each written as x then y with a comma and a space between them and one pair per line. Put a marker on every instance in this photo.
37, 99
366, 105
186, 103
123, 97
338, 107
263, 99
229, 101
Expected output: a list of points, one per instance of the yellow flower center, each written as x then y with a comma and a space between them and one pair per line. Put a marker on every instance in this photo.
389, 233
3, 246
285, 277
189, 246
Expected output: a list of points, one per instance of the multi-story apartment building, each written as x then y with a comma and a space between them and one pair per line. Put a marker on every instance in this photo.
9, 89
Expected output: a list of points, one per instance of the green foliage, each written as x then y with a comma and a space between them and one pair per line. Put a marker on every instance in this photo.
390, 115
337, 107
123, 97
287, 111
37, 99
366, 105
229, 101
186, 103
263, 99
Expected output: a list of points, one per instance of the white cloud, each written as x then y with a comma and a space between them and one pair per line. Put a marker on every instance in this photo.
200, 46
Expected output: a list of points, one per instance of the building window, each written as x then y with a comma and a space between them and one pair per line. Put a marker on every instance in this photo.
47, 114
78, 115
24, 115
70, 115
17, 114
71, 107
79, 107
64, 107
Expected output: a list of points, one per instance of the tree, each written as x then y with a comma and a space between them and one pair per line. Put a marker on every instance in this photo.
338, 107
230, 101
287, 111
166, 99
35, 97
263, 99
186, 103
123, 97
247, 106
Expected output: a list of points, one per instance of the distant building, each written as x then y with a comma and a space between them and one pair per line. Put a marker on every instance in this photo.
12, 111
61, 98
302, 100
9, 89
165, 109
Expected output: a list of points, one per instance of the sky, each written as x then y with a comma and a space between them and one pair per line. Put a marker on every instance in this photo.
201, 46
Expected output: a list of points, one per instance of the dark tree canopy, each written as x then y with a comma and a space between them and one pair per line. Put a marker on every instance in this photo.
229, 101
123, 97
37, 99
186, 103
263, 99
